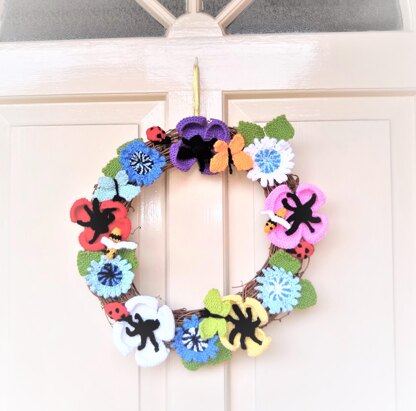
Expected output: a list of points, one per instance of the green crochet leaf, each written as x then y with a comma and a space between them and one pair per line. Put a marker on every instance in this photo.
308, 295
211, 326
112, 168
250, 131
280, 128
192, 366
84, 259
223, 355
126, 144
283, 259
130, 256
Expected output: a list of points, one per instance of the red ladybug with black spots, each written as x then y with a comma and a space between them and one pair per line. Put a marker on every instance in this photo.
156, 135
302, 250
116, 311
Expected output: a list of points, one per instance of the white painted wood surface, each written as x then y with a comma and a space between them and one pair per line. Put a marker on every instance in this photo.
66, 106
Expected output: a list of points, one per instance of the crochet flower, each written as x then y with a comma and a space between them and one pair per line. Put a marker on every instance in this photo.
279, 290
142, 163
301, 207
144, 331
243, 326
189, 344
109, 278
99, 219
272, 160
198, 138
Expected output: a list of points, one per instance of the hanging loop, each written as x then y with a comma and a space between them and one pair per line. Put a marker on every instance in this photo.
196, 89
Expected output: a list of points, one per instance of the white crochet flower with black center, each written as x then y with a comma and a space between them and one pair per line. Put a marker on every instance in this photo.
272, 160
145, 330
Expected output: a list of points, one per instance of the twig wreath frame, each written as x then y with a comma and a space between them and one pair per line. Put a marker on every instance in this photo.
207, 335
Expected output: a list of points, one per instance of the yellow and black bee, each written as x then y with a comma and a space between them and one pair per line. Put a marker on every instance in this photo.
275, 219
113, 243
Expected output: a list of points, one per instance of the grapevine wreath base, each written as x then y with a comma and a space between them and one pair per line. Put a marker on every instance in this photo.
226, 323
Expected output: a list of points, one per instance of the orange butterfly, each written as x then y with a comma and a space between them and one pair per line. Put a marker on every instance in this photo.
229, 154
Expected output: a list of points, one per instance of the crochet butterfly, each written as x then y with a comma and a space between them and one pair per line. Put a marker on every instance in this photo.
230, 154
116, 188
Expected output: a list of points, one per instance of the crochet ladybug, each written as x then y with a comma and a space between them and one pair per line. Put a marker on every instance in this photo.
302, 250
116, 311
156, 135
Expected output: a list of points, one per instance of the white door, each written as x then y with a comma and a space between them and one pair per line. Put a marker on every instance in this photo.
66, 106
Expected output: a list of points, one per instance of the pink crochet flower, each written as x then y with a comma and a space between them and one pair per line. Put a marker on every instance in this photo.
302, 215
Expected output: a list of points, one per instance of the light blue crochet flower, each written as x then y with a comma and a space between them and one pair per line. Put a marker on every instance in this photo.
143, 164
189, 344
279, 290
116, 188
109, 278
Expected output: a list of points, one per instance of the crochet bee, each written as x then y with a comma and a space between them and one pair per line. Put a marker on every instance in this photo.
274, 219
113, 243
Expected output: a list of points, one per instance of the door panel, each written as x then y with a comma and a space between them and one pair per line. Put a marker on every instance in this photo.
358, 151
59, 355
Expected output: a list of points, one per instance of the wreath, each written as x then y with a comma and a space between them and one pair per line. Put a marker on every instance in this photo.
207, 335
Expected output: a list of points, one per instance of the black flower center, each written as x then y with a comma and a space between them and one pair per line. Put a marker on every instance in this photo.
99, 220
193, 341
141, 163
245, 326
110, 275
302, 213
144, 328
197, 148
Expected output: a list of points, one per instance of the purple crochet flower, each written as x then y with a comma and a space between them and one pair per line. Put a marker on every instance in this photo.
197, 126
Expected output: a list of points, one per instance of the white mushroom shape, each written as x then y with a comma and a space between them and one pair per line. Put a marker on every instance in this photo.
145, 330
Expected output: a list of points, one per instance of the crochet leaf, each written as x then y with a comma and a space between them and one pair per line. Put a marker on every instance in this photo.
308, 295
211, 326
112, 168
250, 131
84, 259
126, 144
130, 256
192, 366
223, 355
280, 128
214, 303
283, 259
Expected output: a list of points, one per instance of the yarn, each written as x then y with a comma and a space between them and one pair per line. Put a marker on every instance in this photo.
279, 128
145, 331
230, 154
222, 355
216, 309
112, 168
308, 296
244, 326
284, 260
250, 131
84, 259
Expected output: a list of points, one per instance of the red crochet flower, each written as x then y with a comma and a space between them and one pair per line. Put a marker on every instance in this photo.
99, 219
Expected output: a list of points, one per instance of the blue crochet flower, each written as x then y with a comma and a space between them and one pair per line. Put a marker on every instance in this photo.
109, 278
279, 290
189, 344
142, 163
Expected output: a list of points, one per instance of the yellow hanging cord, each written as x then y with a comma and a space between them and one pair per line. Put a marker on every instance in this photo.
196, 89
